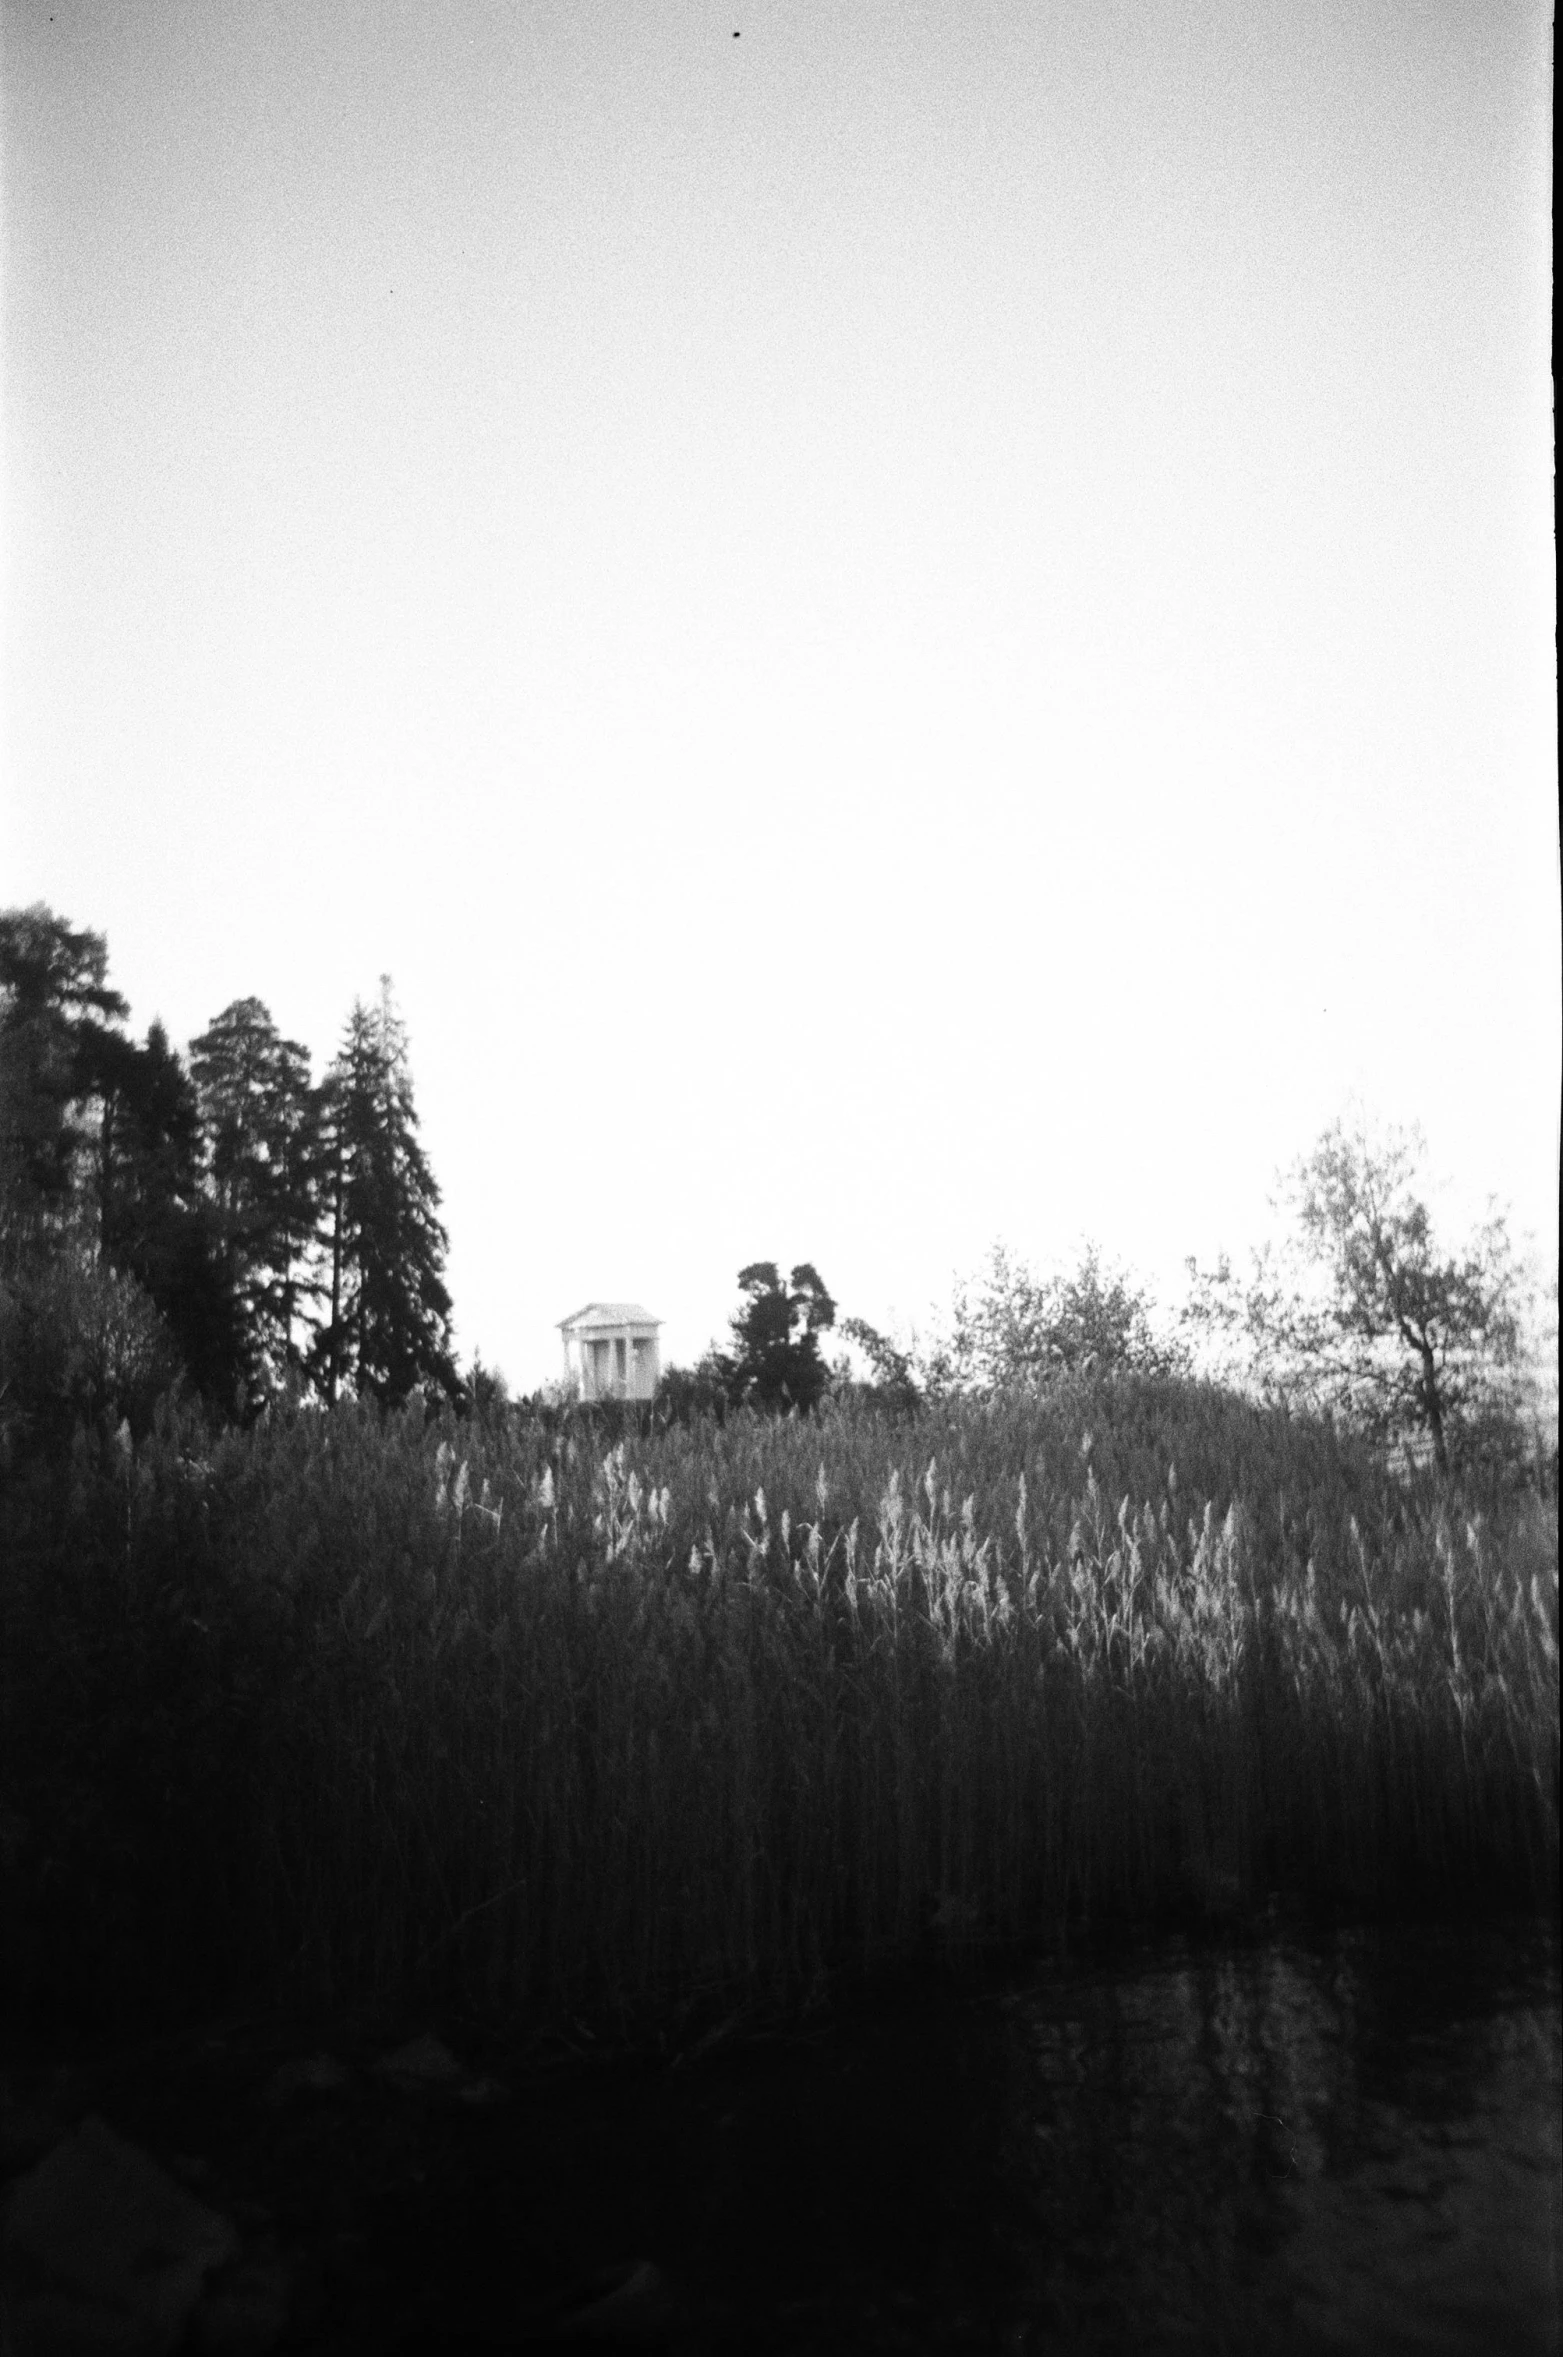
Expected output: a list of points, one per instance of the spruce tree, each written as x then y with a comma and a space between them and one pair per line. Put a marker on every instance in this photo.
387, 1330
263, 1164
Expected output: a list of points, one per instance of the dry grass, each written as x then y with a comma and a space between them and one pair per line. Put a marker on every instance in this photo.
371, 1710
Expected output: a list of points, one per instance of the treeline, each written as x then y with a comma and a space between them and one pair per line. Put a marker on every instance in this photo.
1011, 1333
1435, 1354
222, 1215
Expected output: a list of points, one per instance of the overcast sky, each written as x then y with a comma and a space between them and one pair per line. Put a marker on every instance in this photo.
931, 623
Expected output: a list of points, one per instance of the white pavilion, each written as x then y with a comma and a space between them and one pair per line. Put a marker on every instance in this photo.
610, 1351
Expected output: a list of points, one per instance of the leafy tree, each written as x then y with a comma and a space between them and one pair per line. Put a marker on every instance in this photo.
777, 1362
894, 1384
260, 1116
388, 1328
1013, 1331
56, 1012
1366, 1314
78, 1340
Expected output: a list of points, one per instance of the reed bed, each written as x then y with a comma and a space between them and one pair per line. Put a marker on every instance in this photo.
374, 1710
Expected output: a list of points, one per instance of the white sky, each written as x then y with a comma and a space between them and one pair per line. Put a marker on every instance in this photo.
931, 624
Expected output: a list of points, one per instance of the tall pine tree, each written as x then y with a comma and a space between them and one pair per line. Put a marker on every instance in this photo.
387, 1330
261, 1119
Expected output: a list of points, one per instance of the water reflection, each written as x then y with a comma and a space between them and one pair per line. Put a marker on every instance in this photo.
1341, 2144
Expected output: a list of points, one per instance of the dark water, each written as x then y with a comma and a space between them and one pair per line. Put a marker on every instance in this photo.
1342, 2144
1337, 2143
1292, 2141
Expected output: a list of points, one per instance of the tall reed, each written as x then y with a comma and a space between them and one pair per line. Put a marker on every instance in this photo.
370, 1708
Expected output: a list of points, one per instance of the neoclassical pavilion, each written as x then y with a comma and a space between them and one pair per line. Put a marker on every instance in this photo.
610, 1351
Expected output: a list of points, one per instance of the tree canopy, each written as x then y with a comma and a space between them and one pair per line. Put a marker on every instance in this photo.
1364, 1311
159, 1217
261, 1117
56, 1013
776, 1362
388, 1326
1012, 1330
894, 1384
155, 1220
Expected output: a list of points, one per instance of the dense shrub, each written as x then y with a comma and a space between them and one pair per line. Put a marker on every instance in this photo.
79, 1342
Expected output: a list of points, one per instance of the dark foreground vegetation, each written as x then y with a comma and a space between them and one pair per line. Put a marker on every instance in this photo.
369, 1707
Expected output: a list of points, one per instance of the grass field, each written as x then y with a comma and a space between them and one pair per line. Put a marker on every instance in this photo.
355, 1709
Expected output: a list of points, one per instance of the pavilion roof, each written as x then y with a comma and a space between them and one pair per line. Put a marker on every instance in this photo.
607, 1313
